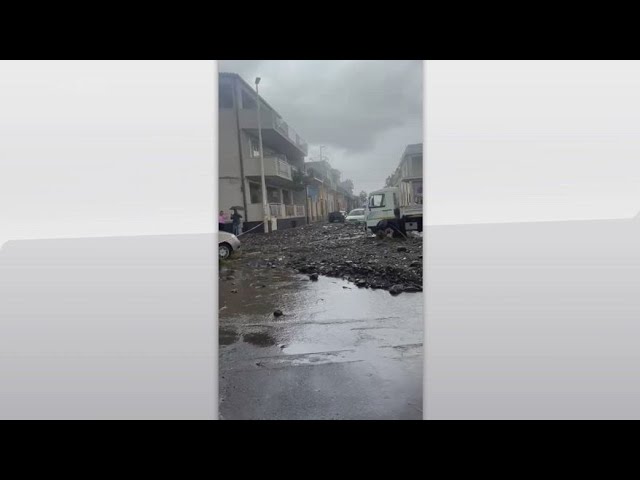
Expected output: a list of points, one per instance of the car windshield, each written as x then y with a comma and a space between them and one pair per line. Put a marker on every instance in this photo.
357, 212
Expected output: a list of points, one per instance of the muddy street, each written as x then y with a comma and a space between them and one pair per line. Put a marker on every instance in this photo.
341, 250
337, 351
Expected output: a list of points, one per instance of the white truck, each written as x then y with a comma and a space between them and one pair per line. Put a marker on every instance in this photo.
381, 212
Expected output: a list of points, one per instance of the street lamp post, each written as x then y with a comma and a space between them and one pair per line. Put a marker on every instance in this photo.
265, 207
325, 190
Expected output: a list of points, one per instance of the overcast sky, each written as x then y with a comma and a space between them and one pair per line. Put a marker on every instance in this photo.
532, 140
365, 112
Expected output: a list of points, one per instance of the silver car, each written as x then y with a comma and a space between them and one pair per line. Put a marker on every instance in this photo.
356, 216
227, 244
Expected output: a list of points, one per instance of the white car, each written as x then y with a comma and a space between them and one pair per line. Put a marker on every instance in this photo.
356, 216
227, 244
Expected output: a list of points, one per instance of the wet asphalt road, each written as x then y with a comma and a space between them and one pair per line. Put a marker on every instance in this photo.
338, 352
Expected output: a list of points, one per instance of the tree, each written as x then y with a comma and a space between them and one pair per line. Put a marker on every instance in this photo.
348, 186
363, 197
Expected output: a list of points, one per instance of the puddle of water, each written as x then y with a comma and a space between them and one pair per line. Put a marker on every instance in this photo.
353, 351
259, 339
320, 316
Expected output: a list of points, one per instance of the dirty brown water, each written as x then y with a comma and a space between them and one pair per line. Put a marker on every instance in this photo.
337, 352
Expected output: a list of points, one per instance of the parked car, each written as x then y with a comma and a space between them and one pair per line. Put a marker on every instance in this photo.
356, 216
336, 217
227, 244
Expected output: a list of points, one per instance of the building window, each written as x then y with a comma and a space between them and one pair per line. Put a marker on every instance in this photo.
248, 101
286, 197
273, 195
255, 192
225, 96
255, 148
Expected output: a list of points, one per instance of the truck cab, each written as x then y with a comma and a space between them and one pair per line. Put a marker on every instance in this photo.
380, 206
380, 209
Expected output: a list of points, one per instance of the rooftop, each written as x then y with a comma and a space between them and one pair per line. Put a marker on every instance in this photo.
412, 149
250, 87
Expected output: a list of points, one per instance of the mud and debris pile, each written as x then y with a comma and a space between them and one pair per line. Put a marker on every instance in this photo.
343, 251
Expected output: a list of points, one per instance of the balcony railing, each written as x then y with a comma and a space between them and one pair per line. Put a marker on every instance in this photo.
283, 168
274, 166
290, 133
275, 209
280, 210
271, 120
289, 210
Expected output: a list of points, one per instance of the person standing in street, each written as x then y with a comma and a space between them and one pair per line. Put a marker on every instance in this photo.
236, 219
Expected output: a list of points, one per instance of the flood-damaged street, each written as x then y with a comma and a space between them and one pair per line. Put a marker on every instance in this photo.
292, 347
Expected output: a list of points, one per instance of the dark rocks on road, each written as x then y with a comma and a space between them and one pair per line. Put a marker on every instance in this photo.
412, 288
277, 313
340, 251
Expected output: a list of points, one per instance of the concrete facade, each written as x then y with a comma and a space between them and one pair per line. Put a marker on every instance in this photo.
326, 193
409, 175
239, 174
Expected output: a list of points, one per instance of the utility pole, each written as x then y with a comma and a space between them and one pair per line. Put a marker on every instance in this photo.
265, 206
324, 200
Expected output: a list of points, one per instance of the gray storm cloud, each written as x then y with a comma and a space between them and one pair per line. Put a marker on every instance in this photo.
364, 112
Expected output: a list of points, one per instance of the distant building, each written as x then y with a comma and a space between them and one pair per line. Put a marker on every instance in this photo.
239, 157
326, 193
408, 175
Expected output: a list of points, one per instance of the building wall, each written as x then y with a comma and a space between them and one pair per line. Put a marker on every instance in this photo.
229, 193
408, 177
232, 143
228, 155
229, 171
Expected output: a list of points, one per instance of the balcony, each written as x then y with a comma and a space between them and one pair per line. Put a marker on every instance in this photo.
277, 210
276, 133
276, 169
291, 134
280, 210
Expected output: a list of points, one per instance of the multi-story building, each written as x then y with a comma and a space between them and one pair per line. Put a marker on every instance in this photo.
322, 189
239, 157
326, 193
408, 175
